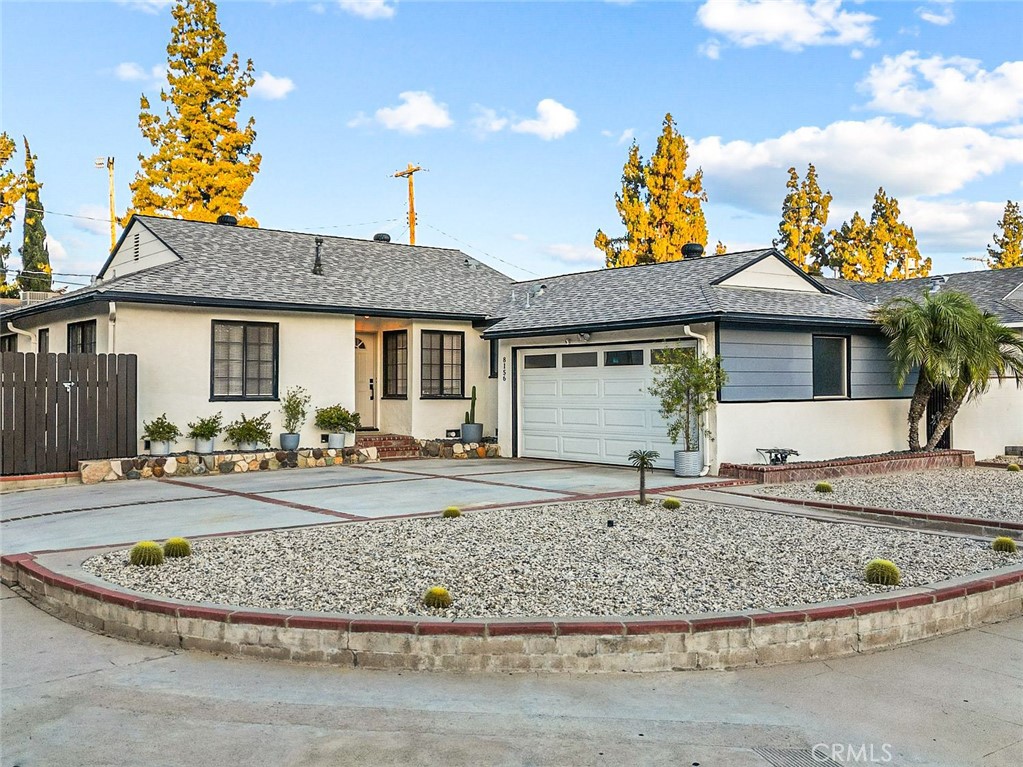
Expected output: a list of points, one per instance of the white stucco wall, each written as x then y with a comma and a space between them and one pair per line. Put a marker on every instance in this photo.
990, 423
57, 325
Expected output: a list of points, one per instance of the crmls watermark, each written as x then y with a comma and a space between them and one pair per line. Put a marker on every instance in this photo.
851, 753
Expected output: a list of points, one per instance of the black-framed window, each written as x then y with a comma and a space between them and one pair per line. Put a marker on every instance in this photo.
623, 357
495, 353
9, 343
243, 362
43, 341
579, 360
395, 364
443, 364
830, 366
81, 337
535, 361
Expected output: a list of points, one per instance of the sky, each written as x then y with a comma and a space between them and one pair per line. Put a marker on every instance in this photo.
521, 114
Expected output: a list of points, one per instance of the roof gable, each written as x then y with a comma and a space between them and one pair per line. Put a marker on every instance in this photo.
772, 271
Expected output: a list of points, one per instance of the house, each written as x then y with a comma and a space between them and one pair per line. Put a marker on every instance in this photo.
226, 318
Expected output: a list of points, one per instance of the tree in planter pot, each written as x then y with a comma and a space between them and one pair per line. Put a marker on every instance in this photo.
472, 431
161, 434
249, 433
204, 431
687, 387
295, 407
337, 421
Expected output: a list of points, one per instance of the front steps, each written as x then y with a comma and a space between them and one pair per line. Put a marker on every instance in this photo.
389, 446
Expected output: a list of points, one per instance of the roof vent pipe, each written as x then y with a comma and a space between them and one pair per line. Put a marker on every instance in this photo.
227, 220
935, 283
381, 237
692, 250
318, 264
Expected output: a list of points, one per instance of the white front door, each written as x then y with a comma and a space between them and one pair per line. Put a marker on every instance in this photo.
365, 379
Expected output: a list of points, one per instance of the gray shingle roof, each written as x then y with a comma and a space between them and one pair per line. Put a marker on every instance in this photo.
238, 265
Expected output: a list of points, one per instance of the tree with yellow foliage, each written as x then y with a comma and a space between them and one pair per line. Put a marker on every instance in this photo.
12, 187
882, 251
804, 215
35, 255
720, 249
659, 204
202, 161
1008, 246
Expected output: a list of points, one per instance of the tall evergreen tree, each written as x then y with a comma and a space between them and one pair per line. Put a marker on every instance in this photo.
803, 218
12, 187
1008, 246
35, 256
884, 250
660, 206
202, 161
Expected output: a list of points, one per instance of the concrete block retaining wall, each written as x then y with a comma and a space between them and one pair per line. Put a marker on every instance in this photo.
596, 645
771, 474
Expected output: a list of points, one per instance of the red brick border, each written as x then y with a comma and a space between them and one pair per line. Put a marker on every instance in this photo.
772, 474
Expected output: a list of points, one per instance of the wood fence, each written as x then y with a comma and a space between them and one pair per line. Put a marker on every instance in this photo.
59, 409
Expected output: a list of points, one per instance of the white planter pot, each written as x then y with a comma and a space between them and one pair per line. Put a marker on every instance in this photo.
203, 445
335, 441
159, 447
688, 463
248, 447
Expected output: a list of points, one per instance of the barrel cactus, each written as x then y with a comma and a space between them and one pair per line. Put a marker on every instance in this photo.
883, 572
671, 503
824, 487
177, 547
146, 554
437, 596
1013, 467
451, 512
1004, 543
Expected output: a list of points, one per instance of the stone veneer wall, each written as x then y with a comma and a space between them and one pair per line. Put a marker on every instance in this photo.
711, 641
771, 474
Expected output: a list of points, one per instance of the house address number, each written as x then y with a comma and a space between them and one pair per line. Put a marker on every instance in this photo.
504, 368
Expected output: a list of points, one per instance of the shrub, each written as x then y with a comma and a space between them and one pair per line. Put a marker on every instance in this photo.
177, 547
437, 596
250, 430
671, 503
824, 487
451, 511
206, 428
294, 406
337, 419
1004, 543
1013, 467
884, 572
146, 554
160, 430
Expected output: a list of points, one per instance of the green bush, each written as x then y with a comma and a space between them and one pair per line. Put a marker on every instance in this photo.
206, 428
437, 596
671, 503
177, 547
1013, 467
255, 430
146, 554
160, 430
883, 571
336, 419
294, 406
824, 487
1004, 543
451, 511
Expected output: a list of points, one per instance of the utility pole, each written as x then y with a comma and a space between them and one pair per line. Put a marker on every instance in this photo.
407, 173
108, 163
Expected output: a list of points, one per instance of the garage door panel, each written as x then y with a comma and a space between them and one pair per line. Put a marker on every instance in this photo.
540, 443
634, 388
580, 416
579, 447
540, 417
540, 387
626, 418
587, 387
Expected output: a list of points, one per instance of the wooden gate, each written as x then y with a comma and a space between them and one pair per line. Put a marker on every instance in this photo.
59, 409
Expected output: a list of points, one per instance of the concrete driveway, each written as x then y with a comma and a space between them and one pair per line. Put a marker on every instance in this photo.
124, 512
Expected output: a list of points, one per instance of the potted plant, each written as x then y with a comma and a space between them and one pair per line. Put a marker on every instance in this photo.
472, 431
204, 431
161, 433
687, 386
337, 421
249, 433
295, 406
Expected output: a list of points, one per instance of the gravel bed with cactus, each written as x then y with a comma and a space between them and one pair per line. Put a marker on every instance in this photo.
975, 492
558, 560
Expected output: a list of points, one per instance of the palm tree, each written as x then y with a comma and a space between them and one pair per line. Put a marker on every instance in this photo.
643, 460
996, 351
934, 335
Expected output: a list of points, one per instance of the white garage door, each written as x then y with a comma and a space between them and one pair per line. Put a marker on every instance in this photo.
590, 403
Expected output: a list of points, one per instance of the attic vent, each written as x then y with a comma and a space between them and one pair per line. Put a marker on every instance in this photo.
381, 237
227, 220
692, 250
135, 247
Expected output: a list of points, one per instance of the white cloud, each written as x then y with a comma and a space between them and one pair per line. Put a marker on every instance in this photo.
950, 90
789, 24
937, 12
518, 237
369, 9
852, 159
318, 8
418, 111
57, 251
856, 53
952, 226
272, 88
146, 6
130, 72
487, 120
710, 48
553, 120
94, 218
624, 137
575, 254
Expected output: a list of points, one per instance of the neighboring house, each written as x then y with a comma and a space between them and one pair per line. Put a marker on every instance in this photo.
225, 318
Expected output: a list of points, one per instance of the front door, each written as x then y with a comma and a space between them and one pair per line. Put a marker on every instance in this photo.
365, 380
937, 403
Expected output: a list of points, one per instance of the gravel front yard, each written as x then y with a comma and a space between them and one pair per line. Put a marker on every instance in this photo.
558, 560
976, 492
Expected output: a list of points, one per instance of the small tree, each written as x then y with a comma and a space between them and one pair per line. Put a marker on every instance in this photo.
35, 256
687, 386
1007, 250
643, 460
12, 187
803, 218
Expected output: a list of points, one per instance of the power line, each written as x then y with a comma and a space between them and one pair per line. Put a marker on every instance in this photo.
488, 255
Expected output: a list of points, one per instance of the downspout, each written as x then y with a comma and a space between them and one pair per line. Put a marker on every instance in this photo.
701, 346
31, 336
112, 332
